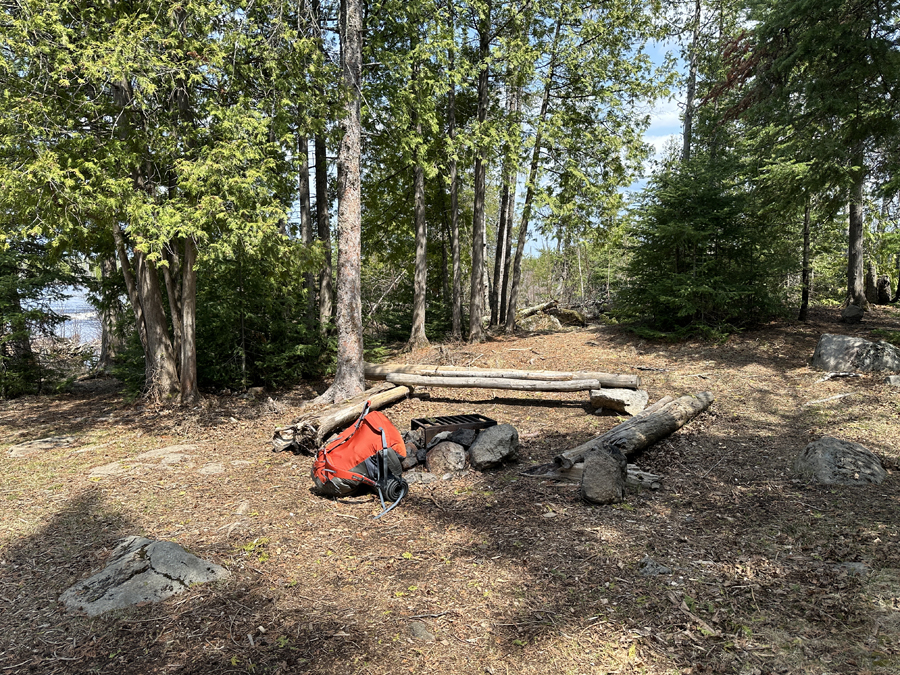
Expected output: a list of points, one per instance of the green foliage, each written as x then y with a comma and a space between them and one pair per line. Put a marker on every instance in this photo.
251, 318
699, 259
31, 277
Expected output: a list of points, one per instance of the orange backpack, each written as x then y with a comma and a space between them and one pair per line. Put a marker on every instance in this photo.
368, 453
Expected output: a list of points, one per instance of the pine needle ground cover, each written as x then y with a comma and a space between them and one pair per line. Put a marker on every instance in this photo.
490, 572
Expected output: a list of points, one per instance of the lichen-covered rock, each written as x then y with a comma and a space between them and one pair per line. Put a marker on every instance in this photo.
833, 461
603, 477
843, 354
446, 457
493, 446
626, 401
539, 322
140, 570
569, 317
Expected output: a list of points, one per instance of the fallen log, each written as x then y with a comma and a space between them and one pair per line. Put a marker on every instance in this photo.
309, 431
643, 430
611, 381
535, 309
492, 383
634, 477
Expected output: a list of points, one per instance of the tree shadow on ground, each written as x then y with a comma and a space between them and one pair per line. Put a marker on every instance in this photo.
506, 572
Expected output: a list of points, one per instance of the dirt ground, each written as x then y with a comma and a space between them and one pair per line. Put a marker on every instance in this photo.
509, 574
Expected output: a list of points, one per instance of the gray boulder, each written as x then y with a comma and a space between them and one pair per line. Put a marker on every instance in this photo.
852, 314
446, 457
625, 401
410, 460
493, 446
893, 380
464, 436
140, 570
603, 477
832, 461
841, 353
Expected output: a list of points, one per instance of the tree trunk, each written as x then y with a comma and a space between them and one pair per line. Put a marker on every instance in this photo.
348, 380
323, 218
503, 227
161, 372
417, 338
856, 292
691, 85
529, 193
130, 285
306, 228
510, 213
456, 313
476, 291
805, 275
173, 294
611, 381
110, 339
642, 430
189, 390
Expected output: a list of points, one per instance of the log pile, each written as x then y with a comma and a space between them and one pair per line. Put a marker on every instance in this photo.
308, 432
488, 378
627, 439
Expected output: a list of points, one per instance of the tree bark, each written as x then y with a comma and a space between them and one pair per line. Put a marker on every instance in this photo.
510, 213
856, 292
190, 393
503, 227
456, 312
306, 227
323, 217
805, 275
691, 85
417, 338
161, 372
110, 339
476, 291
173, 293
348, 380
642, 430
130, 285
611, 381
529, 193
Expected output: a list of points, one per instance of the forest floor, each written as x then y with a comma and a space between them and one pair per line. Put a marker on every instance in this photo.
509, 574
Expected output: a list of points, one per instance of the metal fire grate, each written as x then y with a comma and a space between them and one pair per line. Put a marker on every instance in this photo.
432, 426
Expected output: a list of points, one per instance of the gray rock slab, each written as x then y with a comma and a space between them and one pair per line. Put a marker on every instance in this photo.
493, 446
30, 448
626, 401
832, 461
446, 457
893, 380
211, 468
111, 469
650, 568
420, 631
842, 353
422, 477
162, 453
140, 570
603, 477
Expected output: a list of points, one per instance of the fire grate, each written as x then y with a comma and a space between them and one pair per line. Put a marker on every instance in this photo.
432, 426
